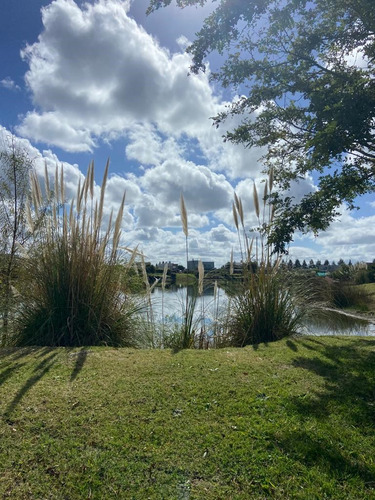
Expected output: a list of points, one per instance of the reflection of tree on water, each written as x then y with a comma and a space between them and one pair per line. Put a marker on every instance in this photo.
321, 322
330, 322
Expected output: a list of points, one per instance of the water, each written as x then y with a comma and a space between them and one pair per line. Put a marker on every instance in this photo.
210, 310
171, 305
331, 322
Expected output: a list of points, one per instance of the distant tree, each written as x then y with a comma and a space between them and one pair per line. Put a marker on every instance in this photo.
371, 272
311, 264
297, 264
304, 264
326, 263
318, 263
15, 165
283, 265
343, 273
290, 264
341, 262
150, 268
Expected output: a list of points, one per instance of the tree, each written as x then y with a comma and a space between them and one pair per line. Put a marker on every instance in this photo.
15, 165
309, 67
297, 264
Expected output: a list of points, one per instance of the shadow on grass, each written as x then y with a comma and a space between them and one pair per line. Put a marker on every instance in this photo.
349, 375
10, 359
292, 345
39, 371
15, 353
323, 454
258, 344
7, 373
346, 400
81, 357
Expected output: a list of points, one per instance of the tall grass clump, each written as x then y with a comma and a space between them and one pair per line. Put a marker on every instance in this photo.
75, 295
185, 335
346, 295
265, 308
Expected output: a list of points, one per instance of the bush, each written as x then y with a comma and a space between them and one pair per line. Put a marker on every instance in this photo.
349, 296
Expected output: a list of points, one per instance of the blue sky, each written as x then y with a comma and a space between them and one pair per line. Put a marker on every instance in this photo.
82, 81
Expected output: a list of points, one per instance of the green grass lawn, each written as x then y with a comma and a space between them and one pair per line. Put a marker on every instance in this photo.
292, 419
370, 289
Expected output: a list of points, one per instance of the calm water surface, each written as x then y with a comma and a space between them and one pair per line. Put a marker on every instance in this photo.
210, 309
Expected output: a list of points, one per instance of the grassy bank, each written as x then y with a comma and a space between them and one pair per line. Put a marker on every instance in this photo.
292, 419
369, 288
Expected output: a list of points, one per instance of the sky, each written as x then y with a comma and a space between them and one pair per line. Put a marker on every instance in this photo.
82, 81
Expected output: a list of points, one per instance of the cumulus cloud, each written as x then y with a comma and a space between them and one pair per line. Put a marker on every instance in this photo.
9, 84
152, 217
349, 230
348, 237
53, 128
94, 70
95, 74
203, 190
148, 147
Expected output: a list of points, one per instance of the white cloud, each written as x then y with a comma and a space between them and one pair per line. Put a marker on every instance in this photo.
148, 147
95, 74
53, 128
349, 231
94, 71
9, 84
347, 238
203, 190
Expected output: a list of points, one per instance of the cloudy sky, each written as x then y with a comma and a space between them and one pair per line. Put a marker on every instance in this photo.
92, 80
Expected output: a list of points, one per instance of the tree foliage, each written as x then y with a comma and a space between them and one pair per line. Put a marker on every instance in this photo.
308, 66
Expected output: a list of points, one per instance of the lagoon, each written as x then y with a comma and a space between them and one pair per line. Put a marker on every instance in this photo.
212, 309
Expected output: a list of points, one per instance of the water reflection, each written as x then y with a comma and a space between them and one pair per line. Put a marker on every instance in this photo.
331, 322
210, 308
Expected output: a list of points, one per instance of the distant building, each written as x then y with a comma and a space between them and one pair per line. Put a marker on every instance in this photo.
174, 268
192, 265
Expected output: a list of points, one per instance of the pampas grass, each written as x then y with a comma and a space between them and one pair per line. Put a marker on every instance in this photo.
75, 295
185, 229
265, 309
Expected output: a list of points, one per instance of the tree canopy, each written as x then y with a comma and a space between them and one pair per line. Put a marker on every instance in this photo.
309, 70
